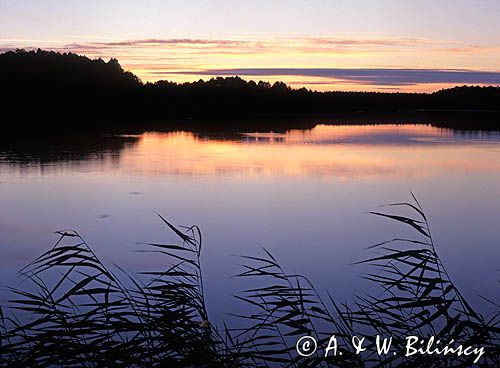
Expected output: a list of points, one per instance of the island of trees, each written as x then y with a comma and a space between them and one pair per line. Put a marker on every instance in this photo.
48, 89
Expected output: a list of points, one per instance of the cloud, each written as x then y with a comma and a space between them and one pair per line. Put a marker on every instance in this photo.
368, 41
155, 58
471, 49
372, 76
277, 46
256, 46
175, 45
155, 42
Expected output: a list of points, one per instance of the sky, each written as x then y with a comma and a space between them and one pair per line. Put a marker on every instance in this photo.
367, 45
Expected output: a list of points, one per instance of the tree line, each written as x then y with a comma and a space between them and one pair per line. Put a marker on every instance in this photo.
52, 86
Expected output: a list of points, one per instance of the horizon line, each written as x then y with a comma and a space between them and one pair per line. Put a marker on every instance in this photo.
384, 78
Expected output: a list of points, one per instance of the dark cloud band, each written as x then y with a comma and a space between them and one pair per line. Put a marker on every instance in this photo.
391, 77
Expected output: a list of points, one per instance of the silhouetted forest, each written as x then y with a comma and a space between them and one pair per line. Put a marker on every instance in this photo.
48, 89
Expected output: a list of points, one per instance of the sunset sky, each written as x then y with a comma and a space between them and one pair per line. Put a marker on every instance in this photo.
382, 45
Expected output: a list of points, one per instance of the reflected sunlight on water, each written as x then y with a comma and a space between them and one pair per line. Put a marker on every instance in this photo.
340, 151
300, 193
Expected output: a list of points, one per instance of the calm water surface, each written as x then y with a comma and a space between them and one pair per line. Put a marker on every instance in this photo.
301, 194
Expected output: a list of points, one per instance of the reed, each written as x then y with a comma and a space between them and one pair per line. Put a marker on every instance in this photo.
81, 313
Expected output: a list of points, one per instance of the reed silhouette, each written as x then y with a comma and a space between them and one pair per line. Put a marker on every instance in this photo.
82, 313
49, 90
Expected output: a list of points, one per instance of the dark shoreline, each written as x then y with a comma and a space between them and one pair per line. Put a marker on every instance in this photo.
75, 126
49, 92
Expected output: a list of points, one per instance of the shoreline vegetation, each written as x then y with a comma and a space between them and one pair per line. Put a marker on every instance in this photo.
45, 90
82, 313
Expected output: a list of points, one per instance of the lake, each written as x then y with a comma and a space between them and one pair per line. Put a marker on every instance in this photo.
301, 194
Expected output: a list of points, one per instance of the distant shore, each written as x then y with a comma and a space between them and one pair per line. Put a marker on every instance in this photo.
48, 90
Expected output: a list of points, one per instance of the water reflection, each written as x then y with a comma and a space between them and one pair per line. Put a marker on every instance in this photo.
324, 150
49, 154
300, 193
343, 151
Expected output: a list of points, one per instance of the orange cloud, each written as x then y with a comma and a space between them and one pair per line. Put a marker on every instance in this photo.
187, 59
